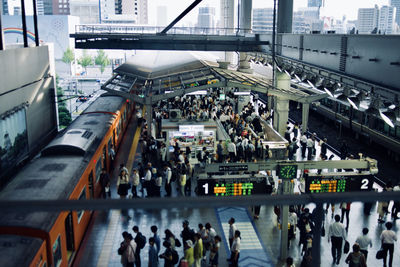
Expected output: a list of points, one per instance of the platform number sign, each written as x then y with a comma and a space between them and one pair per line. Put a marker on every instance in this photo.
322, 184
220, 188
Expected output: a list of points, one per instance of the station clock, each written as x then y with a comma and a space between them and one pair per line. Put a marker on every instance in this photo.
287, 171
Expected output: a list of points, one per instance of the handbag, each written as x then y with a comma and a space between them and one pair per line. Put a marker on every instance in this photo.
346, 247
380, 254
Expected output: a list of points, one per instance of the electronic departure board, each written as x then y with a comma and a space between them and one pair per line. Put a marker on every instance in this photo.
334, 184
232, 187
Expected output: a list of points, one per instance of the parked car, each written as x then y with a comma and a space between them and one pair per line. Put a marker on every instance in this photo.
82, 98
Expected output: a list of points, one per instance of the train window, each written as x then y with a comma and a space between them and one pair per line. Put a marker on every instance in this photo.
98, 169
57, 258
124, 115
39, 264
81, 197
119, 128
44, 264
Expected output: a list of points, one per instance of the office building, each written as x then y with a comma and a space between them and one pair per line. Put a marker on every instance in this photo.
4, 6
206, 17
396, 4
262, 19
387, 24
137, 10
315, 3
162, 18
367, 19
86, 10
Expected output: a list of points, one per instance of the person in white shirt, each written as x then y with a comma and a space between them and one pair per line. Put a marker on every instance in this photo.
388, 238
168, 175
292, 222
232, 229
336, 233
232, 151
364, 241
235, 250
135, 182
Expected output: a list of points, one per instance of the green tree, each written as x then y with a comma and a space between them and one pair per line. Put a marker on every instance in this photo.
102, 60
68, 58
85, 60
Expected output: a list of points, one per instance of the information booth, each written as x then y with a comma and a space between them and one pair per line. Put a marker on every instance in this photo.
195, 134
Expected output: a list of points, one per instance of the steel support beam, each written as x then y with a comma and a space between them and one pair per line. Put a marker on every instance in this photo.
35, 23
304, 117
184, 13
2, 44
168, 42
24, 29
285, 16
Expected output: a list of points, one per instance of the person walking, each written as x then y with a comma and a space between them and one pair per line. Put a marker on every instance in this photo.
189, 253
345, 207
336, 234
388, 238
356, 258
364, 241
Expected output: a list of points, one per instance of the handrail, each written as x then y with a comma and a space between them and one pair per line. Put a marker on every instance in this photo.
140, 29
194, 202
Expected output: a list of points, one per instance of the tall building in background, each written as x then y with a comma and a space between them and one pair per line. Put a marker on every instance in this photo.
387, 24
135, 11
227, 19
86, 10
107, 9
40, 7
206, 17
60, 7
162, 18
4, 5
367, 19
142, 12
315, 3
396, 4
262, 19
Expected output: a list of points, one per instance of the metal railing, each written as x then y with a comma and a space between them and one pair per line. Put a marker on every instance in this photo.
139, 29
193, 202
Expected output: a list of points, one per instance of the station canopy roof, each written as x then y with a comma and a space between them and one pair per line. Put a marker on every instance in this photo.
155, 75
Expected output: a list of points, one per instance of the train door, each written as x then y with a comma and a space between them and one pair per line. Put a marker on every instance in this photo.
91, 187
69, 233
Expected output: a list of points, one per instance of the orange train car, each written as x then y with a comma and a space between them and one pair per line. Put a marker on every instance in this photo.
68, 168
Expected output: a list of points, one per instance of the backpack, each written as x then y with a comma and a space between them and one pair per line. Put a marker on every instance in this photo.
175, 257
141, 242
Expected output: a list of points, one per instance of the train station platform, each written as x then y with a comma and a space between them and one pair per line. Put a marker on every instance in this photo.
260, 237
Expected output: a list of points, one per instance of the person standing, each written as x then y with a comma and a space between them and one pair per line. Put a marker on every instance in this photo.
303, 143
140, 241
123, 184
153, 254
310, 147
388, 238
220, 150
130, 249
188, 253
168, 175
324, 146
336, 234
105, 184
135, 182
364, 241
232, 229
157, 240
198, 250
214, 251
189, 176
232, 151
235, 250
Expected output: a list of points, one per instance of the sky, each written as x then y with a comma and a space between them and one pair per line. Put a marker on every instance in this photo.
333, 8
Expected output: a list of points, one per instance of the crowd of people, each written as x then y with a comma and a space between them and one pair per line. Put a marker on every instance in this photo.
245, 144
199, 248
